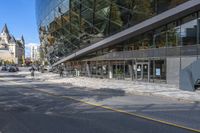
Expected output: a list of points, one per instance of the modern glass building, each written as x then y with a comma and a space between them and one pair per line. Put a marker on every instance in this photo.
145, 40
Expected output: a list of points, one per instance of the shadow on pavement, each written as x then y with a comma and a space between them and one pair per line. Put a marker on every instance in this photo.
79, 92
27, 110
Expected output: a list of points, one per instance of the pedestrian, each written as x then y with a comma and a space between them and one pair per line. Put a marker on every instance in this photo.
38, 68
32, 72
42, 69
61, 72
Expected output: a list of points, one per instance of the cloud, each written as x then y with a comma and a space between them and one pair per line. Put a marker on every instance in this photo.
28, 48
28, 45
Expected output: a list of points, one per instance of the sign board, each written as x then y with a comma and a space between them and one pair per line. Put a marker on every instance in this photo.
157, 71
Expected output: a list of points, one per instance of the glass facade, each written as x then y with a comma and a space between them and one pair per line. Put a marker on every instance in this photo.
66, 26
182, 32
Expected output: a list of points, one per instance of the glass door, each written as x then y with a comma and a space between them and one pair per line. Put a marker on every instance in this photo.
139, 72
142, 71
145, 71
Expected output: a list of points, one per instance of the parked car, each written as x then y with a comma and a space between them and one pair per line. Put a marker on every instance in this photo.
12, 69
17, 68
32, 68
4, 68
197, 84
8, 67
48, 68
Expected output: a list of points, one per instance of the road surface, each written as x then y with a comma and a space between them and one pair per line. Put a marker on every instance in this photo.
29, 106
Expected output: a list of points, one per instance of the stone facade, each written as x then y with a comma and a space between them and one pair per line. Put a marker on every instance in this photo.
11, 50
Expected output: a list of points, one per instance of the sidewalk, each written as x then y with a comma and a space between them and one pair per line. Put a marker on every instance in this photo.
130, 87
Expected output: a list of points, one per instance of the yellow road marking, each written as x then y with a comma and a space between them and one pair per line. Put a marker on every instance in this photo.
115, 110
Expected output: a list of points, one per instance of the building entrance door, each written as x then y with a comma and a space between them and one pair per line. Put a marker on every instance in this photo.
142, 71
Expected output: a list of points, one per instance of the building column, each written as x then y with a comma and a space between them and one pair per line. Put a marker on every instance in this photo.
88, 69
130, 69
149, 70
154, 70
110, 71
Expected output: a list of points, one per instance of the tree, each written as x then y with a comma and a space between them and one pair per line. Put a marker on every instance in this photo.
141, 9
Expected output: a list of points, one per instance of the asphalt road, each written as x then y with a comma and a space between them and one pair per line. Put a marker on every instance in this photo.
24, 109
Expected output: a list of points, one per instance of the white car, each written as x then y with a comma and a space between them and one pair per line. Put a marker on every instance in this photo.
47, 68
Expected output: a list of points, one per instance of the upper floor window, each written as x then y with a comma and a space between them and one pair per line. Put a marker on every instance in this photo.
189, 30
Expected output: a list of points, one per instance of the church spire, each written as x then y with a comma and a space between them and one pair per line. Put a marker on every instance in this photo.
13, 39
5, 29
22, 38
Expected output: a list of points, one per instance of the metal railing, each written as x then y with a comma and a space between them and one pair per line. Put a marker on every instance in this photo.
190, 50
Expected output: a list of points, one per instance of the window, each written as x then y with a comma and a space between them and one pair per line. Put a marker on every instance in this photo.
189, 30
173, 34
160, 37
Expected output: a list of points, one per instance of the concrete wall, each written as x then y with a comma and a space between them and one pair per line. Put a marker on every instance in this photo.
183, 72
173, 70
174, 65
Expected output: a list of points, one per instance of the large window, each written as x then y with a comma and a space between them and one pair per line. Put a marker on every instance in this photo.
160, 37
173, 34
189, 30
163, 5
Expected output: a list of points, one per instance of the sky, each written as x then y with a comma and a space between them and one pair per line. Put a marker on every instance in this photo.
19, 15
